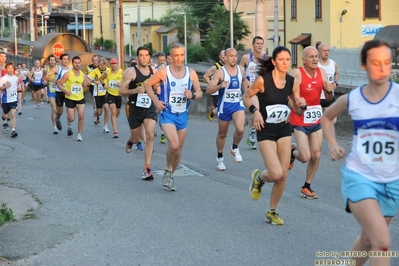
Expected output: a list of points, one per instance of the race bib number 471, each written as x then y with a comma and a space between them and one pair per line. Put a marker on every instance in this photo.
377, 146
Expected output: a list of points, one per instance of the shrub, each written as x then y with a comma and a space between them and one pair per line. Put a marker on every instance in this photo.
149, 46
108, 44
196, 53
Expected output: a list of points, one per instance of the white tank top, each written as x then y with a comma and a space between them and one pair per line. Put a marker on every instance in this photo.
375, 146
175, 99
330, 71
61, 73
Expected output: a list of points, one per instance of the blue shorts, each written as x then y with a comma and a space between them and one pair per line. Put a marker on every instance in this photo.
180, 120
50, 94
307, 130
355, 188
229, 116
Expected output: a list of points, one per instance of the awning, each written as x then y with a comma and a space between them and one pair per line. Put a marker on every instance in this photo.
165, 29
88, 26
303, 39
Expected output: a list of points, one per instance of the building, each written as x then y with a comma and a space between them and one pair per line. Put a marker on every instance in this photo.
339, 23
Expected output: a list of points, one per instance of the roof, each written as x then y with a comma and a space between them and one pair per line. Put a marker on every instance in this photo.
389, 34
165, 29
303, 39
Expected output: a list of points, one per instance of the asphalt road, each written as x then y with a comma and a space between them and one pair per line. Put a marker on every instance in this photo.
96, 210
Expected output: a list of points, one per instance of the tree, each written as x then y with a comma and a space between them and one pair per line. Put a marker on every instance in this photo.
174, 18
200, 9
219, 32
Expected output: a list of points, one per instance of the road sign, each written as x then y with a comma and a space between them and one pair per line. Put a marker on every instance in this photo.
58, 49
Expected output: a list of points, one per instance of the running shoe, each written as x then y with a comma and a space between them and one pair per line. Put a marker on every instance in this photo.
58, 123
128, 146
255, 189
292, 160
69, 132
115, 136
6, 126
19, 113
162, 139
273, 218
140, 146
308, 193
251, 140
210, 113
14, 134
147, 175
155, 133
38, 106
94, 116
105, 129
171, 186
79, 138
167, 177
220, 165
251, 145
236, 154
55, 131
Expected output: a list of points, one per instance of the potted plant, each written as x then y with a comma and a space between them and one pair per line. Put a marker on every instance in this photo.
98, 43
109, 45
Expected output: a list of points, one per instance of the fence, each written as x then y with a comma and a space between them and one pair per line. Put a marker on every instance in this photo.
17, 59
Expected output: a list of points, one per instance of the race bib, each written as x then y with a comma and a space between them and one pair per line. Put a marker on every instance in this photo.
53, 87
312, 114
232, 95
277, 113
143, 100
377, 146
12, 97
113, 84
330, 78
76, 89
177, 101
100, 88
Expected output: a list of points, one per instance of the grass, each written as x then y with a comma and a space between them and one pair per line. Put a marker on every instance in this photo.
29, 215
6, 214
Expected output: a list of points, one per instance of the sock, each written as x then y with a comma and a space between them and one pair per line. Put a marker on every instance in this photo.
13, 129
234, 146
146, 166
220, 154
273, 210
307, 185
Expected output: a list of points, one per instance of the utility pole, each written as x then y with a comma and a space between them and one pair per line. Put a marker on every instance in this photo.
2, 21
275, 23
101, 22
138, 25
31, 22
122, 36
35, 19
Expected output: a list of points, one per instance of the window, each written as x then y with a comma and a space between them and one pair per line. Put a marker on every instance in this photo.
293, 9
294, 55
318, 9
372, 9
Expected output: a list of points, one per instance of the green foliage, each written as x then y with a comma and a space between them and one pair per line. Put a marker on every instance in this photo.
108, 44
149, 20
219, 36
98, 41
26, 49
174, 18
196, 53
6, 214
240, 47
201, 9
149, 46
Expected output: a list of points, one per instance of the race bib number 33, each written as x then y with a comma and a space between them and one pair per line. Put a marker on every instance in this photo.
377, 146
143, 100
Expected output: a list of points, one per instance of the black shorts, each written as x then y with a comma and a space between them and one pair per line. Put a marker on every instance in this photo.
138, 114
117, 100
37, 87
8, 106
72, 104
274, 132
215, 99
59, 98
91, 89
100, 101
324, 103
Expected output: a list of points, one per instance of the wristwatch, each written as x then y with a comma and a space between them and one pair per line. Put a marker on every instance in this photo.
194, 95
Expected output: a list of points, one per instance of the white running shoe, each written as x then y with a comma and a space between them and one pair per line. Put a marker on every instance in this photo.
79, 138
220, 165
236, 154
105, 129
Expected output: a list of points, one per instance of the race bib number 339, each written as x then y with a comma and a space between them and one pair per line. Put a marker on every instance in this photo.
312, 114
377, 146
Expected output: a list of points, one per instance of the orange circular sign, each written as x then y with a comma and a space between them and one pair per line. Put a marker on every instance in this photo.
58, 49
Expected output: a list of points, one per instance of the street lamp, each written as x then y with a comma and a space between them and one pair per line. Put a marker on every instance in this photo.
130, 37
253, 23
45, 24
15, 31
84, 25
43, 15
340, 27
185, 37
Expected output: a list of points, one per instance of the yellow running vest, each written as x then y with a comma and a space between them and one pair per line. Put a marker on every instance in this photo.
74, 84
112, 80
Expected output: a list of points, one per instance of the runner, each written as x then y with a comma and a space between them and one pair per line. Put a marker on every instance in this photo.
111, 81
142, 109
88, 69
50, 77
25, 74
62, 68
76, 82
178, 84
230, 81
36, 78
9, 87
370, 176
